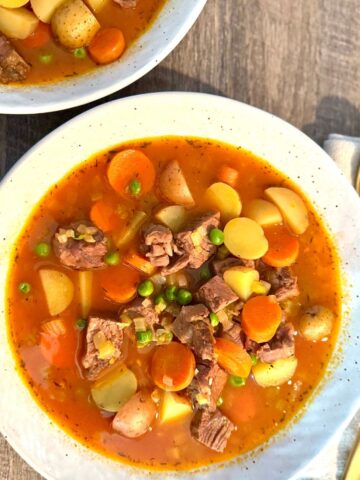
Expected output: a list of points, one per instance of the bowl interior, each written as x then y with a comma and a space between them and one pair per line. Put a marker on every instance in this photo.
43, 444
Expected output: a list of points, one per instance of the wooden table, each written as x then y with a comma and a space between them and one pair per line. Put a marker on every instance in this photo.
299, 60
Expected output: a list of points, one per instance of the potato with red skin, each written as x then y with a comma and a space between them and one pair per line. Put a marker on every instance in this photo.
135, 417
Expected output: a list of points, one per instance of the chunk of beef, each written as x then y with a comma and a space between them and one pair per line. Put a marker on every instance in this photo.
194, 240
282, 345
220, 266
176, 266
216, 294
13, 67
159, 245
207, 385
127, 3
104, 340
81, 246
192, 327
283, 283
234, 333
212, 429
235, 308
142, 308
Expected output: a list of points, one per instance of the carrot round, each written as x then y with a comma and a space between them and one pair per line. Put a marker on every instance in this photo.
131, 166
107, 46
233, 358
240, 404
261, 317
40, 36
119, 283
283, 247
103, 214
58, 344
228, 175
172, 367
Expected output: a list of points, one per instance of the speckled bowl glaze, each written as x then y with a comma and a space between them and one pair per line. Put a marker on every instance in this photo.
30, 431
169, 28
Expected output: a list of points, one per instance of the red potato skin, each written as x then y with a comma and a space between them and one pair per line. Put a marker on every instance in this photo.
173, 185
135, 417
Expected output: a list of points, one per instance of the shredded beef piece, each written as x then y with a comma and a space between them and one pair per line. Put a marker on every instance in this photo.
216, 294
207, 385
159, 245
282, 345
234, 333
81, 246
127, 3
176, 266
144, 308
102, 330
220, 266
283, 283
13, 67
212, 429
192, 327
235, 308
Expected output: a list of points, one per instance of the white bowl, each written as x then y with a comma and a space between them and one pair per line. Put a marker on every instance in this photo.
166, 32
44, 445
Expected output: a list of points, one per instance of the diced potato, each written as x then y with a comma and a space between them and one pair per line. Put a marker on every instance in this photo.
136, 416
173, 185
58, 288
174, 407
85, 291
96, 5
316, 323
241, 280
274, 374
264, 213
173, 216
44, 9
17, 23
244, 238
13, 3
74, 24
131, 231
261, 287
115, 389
291, 206
220, 196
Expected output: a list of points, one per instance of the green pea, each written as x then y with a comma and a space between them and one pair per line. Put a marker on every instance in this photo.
42, 249
144, 337
219, 402
254, 359
170, 293
205, 273
80, 323
112, 258
214, 319
135, 187
160, 300
216, 236
80, 53
183, 296
146, 288
236, 381
24, 287
46, 58
222, 252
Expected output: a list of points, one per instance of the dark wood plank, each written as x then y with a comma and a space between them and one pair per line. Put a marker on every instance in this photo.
299, 60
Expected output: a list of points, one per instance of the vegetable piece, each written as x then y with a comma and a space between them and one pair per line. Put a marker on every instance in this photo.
174, 408
136, 416
316, 323
261, 317
119, 283
24, 287
214, 319
13, 3
173, 216
44, 9
17, 23
80, 323
264, 213
216, 236
143, 338
172, 367
170, 293
146, 288
132, 229
222, 252
228, 175
129, 165
292, 207
54, 327
96, 5
134, 188
241, 280
237, 381
107, 46
274, 374
40, 36
183, 296
173, 185
233, 358
240, 404
74, 24
112, 259
133, 258
80, 53
283, 247
104, 215
58, 344
58, 289
85, 291
261, 287
42, 249
113, 390
220, 196
46, 58
244, 238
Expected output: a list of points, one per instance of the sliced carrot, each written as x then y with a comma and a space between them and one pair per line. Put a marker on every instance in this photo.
107, 46
104, 215
240, 404
261, 317
54, 327
119, 283
58, 344
40, 36
173, 367
283, 247
228, 175
127, 166
233, 358
133, 258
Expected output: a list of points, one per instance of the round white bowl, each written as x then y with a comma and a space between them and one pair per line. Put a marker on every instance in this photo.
171, 25
29, 430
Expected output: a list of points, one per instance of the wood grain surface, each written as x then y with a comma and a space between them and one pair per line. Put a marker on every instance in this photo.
297, 59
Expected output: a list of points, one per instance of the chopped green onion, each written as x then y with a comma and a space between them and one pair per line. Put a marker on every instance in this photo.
112, 258
236, 381
46, 58
42, 249
183, 296
219, 402
214, 319
135, 188
146, 288
80, 323
205, 273
144, 337
80, 53
216, 236
170, 293
24, 287
222, 252
254, 359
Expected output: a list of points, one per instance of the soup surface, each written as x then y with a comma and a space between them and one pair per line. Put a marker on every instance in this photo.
173, 302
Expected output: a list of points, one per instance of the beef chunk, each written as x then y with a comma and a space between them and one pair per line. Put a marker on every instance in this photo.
207, 385
220, 266
13, 67
283, 283
142, 308
194, 240
127, 3
234, 333
81, 246
192, 327
159, 245
176, 266
282, 345
104, 339
212, 429
216, 294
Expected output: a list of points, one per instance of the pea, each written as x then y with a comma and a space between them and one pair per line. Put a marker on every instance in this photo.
254, 359
214, 319
42, 249
24, 287
236, 381
80, 53
46, 58
80, 323
112, 258
216, 236
222, 252
219, 402
144, 337
135, 187
145, 288
205, 273
170, 293
160, 300
183, 296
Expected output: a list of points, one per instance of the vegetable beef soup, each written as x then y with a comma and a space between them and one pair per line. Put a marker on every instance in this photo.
44, 41
173, 302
